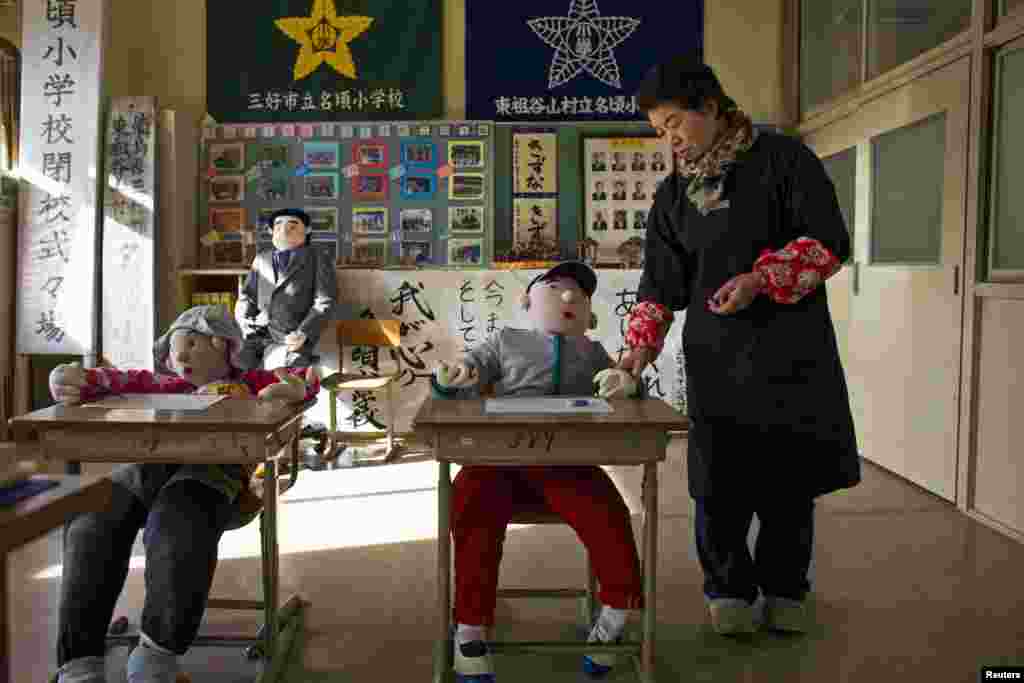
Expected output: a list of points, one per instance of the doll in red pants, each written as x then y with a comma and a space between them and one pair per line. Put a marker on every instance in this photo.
555, 357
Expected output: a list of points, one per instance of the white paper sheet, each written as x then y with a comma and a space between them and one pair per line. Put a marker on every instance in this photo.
540, 404
175, 402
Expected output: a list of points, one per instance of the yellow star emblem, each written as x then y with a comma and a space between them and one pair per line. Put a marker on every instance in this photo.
324, 37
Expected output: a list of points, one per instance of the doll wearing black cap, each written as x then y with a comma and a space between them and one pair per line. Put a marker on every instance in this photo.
289, 294
553, 357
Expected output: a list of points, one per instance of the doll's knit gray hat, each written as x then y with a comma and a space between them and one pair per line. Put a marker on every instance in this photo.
213, 321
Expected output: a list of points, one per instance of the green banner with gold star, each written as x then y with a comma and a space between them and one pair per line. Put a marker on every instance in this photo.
323, 60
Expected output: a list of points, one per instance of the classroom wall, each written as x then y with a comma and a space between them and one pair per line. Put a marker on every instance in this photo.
159, 48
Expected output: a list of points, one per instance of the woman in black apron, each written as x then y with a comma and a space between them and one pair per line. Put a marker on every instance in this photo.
743, 237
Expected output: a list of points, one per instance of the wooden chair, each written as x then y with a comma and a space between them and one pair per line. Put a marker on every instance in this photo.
377, 334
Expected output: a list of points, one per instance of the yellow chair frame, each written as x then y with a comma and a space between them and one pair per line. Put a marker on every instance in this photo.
382, 334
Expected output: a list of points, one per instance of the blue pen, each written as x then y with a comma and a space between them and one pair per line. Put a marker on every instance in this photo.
580, 403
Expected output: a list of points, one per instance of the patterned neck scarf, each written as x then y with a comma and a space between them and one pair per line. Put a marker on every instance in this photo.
707, 173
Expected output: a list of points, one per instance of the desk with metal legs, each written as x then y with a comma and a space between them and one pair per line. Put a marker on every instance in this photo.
636, 433
233, 431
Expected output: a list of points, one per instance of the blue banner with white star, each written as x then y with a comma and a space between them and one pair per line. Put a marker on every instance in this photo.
570, 60
323, 60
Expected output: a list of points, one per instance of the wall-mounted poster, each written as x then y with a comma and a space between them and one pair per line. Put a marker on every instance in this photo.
227, 188
535, 218
466, 186
419, 154
323, 220
370, 187
398, 171
322, 186
370, 154
416, 223
465, 252
416, 186
323, 60
320, 155
535, 163
466, 219
465, 154
370, 220
621, 177
228, 157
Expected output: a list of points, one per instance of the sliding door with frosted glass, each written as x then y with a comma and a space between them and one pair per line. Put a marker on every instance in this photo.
904, 314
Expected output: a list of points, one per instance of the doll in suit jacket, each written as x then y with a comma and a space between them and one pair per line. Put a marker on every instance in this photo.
288, 296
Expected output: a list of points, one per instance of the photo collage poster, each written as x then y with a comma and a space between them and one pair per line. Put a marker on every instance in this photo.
622, 175
378, 194
535, 186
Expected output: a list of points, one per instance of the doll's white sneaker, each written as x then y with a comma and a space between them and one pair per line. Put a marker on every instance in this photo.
473, 662
731, 616
783, 614
608, 628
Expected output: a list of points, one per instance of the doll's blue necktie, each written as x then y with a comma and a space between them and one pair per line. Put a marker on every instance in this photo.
281, 259
557, 370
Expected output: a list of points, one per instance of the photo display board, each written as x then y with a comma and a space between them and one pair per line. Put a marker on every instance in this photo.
379, 194
622, 175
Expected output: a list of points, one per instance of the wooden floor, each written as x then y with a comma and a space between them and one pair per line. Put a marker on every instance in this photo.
905, 588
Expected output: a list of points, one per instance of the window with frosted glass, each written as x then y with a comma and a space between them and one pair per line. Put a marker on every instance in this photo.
842, 169
899, 30
908, 167
1007, 214
830, 49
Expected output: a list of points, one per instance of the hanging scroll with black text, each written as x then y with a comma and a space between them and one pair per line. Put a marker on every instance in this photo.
129, 238
60, 113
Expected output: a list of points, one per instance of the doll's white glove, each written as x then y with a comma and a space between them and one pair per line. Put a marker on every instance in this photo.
290, 388
261, 320
294, 341
455, 375
615, 383
66, 382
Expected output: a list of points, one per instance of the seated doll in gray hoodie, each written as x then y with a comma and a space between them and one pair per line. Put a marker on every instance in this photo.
555, 357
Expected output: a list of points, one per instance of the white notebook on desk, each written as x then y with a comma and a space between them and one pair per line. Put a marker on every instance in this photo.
182, 403
575, 405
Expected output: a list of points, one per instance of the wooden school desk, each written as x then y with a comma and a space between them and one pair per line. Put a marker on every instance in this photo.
234, 431
636, 433
30, 518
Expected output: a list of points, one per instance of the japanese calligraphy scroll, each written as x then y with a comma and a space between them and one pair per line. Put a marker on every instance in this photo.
323, 60
445, 313
535, 186
622, 175
62, 88
129, 239
570, 60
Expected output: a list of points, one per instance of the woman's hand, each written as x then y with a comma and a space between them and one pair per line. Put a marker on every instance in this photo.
736, 294
635, 360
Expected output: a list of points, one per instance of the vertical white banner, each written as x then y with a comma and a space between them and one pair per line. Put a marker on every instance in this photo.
129, 238
444, 313
61, 92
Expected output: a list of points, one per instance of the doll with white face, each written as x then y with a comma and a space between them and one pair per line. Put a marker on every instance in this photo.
288, 296
558, 304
